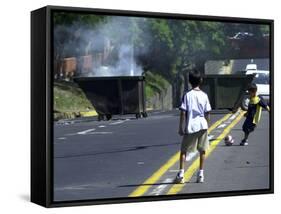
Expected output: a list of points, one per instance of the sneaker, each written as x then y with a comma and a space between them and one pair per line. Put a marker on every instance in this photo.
180, 178
200, 177
244, 143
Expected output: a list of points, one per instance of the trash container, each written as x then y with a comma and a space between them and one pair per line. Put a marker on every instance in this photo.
115, 95
226, 91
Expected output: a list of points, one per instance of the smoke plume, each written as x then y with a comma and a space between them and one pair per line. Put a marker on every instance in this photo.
106, 49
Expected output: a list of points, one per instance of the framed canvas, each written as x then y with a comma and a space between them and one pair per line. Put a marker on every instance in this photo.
133, 106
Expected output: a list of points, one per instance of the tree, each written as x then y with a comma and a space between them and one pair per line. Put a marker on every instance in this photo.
178, 45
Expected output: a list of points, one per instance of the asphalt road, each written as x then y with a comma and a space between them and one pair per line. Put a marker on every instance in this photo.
238, 167
109, 159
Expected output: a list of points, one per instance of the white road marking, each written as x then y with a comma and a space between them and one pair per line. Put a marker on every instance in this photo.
221, 126
210, 137
162, 187
102, 126
118, 122
86, 131
232, 117
101, 133
61, 138
173, 170
140, 163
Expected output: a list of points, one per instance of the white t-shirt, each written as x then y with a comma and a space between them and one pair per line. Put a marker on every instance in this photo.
195, 103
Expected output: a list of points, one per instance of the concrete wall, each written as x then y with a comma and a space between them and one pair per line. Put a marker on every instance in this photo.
162, 101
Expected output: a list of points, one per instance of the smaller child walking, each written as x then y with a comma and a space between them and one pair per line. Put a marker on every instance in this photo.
194, 113
253, 113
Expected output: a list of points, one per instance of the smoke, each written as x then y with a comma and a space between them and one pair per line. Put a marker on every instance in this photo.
125, 66
106, 49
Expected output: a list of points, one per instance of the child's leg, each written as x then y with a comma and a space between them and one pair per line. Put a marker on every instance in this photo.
182, 159
203, 145
200, 174
244, 142
246, 129
180, 175
184, 144
246, 135
202, 159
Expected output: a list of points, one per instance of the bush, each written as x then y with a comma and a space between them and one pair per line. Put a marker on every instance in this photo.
68, 97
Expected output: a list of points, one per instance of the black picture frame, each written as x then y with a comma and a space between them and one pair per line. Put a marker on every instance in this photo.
42, 105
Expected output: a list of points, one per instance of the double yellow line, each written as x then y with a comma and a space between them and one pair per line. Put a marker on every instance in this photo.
195, 165
143, 188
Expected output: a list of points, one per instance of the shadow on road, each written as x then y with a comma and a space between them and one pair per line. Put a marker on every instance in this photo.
156, 184
117, 150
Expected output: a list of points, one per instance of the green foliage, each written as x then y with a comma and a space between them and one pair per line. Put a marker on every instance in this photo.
68, 97
264, 29
62, 18
168, 48
161, 32
176, 45
155, 83
149, 91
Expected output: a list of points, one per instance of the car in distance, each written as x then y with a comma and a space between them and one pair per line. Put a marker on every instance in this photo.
262, 81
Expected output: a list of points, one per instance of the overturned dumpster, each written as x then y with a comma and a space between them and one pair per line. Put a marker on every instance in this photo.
115, 95
226, 91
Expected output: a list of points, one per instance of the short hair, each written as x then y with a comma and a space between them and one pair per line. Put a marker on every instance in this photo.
195, 78
252, 87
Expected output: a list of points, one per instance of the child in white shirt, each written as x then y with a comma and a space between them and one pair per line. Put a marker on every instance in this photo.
194, 111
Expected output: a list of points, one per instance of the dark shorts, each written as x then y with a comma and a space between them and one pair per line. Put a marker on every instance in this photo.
248, 126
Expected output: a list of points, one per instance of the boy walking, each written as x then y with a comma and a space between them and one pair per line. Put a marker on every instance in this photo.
194, 115
253, 114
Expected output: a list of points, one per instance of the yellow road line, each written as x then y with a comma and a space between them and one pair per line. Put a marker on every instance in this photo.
195, 165
216, 124
142, 189
88, 113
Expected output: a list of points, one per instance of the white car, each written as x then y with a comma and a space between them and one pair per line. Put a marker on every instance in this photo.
251, 67
261, 79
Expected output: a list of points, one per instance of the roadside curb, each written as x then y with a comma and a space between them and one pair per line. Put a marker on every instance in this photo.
88, 113
72, 115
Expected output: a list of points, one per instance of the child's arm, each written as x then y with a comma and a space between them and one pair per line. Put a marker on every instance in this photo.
207, 111
182, 116
263, 104
267, 108
207, 116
